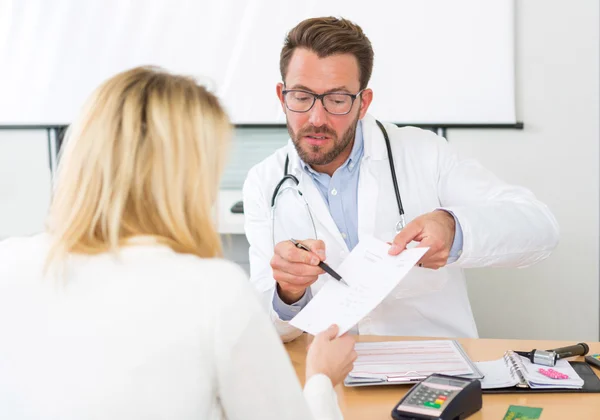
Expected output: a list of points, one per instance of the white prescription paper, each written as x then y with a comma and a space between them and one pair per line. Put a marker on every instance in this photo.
371, 274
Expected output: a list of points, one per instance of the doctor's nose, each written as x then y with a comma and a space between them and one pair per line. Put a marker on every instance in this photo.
317, 114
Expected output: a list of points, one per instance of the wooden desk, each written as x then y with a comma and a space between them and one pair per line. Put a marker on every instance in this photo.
377, 402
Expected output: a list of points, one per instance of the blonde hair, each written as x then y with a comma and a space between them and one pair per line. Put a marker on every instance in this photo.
144, 159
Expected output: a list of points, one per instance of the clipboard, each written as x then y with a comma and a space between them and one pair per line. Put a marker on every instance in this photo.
410, 376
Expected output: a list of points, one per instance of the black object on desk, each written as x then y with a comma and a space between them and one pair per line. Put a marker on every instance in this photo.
594, 360
238, 207
440, 397
549, 357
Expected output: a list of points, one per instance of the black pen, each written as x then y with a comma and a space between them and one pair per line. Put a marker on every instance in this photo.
321, 264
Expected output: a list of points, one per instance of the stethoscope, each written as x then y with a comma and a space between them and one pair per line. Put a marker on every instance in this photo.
287, 176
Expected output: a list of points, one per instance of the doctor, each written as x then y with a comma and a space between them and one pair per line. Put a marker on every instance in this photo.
339, 179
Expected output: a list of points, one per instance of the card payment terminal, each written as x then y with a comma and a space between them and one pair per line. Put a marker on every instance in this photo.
440, 397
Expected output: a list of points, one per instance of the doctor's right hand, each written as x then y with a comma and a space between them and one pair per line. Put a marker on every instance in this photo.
295, 269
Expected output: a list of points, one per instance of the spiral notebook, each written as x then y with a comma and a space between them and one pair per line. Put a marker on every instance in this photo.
514, 370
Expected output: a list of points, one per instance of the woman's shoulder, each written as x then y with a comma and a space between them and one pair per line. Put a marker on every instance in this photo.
214, 282
215, 273
216, 266
19, 247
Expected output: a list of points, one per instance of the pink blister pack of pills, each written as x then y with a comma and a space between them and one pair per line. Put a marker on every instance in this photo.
551, 373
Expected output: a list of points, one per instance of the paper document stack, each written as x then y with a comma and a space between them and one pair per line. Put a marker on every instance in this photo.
394, 362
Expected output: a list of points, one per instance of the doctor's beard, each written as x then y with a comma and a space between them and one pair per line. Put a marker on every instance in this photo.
315, 155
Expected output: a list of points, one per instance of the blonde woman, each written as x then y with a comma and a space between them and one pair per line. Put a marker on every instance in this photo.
123, 308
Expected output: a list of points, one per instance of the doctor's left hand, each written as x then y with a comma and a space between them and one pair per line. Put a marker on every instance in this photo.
434, 230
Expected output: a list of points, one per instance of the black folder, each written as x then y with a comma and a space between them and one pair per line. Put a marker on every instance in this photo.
591, 383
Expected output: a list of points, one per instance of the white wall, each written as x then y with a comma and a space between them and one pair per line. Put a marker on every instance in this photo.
24, 181
557, 157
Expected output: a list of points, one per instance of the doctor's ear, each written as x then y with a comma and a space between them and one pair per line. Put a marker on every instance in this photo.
279, 88
366, 97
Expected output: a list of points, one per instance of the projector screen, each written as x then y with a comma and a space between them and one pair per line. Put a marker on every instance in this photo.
436, 61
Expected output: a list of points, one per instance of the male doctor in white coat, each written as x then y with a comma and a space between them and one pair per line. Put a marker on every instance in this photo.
338, 154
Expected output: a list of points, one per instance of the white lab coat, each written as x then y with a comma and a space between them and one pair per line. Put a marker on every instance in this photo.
503, 226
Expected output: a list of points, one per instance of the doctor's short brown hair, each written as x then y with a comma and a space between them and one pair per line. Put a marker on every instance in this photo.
327, 36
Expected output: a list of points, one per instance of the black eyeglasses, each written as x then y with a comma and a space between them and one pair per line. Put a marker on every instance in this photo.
334, 103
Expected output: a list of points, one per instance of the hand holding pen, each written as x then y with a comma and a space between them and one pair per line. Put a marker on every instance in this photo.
321, 264
295, 269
